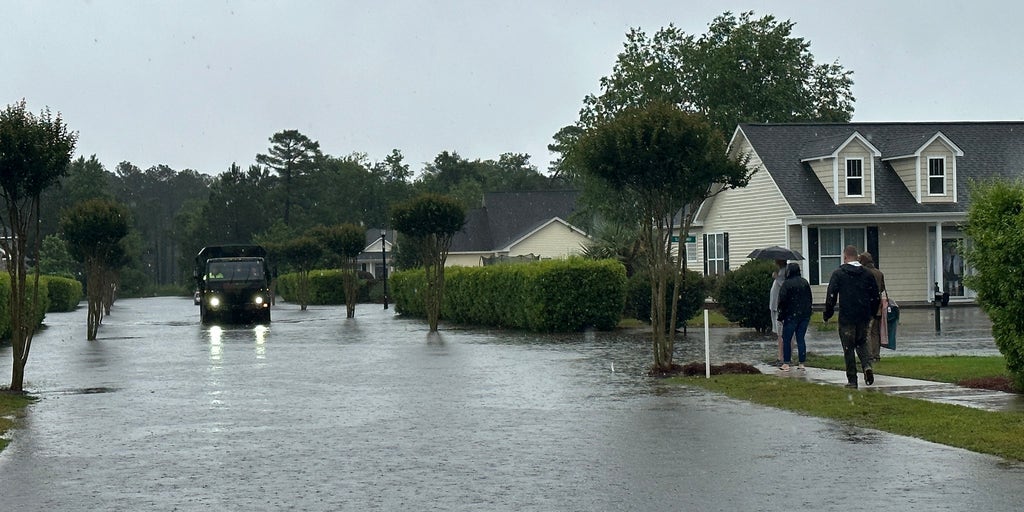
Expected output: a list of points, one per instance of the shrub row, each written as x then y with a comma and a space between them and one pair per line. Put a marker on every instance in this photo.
55, 293
326, 287
555, 296
64, 293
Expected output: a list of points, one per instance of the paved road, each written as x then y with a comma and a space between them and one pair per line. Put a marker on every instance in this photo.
322, 413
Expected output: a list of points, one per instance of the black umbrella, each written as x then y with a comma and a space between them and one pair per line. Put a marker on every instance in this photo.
775, 253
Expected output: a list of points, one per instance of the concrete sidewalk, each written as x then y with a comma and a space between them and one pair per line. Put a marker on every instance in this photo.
965, 331
911, 388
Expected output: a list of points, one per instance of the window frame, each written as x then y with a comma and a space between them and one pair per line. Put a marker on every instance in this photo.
825, 273
716, 263
942, 177
855, 178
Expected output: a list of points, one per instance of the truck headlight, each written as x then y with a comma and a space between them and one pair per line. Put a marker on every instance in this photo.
214, 302
258, 300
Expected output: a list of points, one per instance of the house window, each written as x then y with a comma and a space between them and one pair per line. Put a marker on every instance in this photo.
937, 176
691, 251
717, 259
831, 242
855, 177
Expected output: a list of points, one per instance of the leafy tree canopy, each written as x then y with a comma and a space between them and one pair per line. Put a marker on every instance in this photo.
744, 69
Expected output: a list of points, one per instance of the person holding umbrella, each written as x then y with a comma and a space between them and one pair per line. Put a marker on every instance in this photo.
780, 255
795, 314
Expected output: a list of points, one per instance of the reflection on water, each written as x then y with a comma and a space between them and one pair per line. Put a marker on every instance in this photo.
218, 336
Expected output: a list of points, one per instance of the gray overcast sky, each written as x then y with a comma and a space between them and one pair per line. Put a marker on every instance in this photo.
201, 84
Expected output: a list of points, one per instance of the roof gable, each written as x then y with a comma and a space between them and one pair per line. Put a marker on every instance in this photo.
508, 217
830, 147
984, 150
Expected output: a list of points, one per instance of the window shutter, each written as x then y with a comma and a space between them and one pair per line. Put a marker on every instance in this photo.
725, 237
873, 244
813, 265
705, 254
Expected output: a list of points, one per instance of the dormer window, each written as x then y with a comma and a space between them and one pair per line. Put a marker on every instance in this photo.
936, 176
854, 177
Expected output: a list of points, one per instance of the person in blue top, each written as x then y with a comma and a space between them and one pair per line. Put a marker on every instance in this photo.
856, 291
795, 314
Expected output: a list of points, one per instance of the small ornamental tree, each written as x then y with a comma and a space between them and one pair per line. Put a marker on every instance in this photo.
662, 164
346, 241
430, 221
35, 152
995, 227
93, 231
302, 254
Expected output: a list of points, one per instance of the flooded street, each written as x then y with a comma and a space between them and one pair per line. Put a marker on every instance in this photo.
318, 412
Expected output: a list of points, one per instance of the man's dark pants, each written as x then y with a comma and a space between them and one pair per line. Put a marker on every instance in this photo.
854, 338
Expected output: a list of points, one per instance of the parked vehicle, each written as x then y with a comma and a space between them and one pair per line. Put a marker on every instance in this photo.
233, 284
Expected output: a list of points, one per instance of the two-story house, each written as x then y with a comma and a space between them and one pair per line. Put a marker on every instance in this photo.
897, 190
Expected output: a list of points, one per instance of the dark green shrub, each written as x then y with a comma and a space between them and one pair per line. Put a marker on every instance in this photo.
405, 288
693, 291
326, 287
570, 295
64, 293
995, 225
5, 310
561, 295
743, 294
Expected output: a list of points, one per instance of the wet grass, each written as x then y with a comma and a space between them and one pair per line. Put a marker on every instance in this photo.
995, 433
12, 407
952, 369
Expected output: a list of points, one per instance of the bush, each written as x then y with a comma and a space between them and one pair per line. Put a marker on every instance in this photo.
5, 310
64, 293
743, 294
326, 287
995, 224
692, 293
555, 296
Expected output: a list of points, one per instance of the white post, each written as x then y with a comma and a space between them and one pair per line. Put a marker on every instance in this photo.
707, 346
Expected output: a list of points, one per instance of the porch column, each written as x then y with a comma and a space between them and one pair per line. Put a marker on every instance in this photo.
804, 242
938, 263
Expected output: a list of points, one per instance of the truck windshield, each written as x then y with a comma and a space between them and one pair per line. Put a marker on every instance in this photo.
235, 271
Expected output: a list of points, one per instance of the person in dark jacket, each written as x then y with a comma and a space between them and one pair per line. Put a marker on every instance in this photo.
795, 314
857, 293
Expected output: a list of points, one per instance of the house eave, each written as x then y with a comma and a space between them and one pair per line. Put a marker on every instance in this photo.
877, 218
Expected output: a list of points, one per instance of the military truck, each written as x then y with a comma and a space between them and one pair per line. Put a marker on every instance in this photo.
233, 284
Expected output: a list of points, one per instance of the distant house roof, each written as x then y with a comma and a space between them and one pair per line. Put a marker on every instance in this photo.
985, 150
508, 216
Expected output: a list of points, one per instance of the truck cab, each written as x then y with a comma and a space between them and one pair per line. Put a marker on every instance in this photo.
233, 284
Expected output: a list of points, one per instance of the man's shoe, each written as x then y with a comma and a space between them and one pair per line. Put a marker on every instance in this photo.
851, 385
869, 377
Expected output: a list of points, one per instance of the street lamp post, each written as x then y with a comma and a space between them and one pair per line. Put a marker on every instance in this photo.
384, 261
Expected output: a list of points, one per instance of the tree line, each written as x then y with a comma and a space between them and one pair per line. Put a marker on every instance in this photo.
287, 191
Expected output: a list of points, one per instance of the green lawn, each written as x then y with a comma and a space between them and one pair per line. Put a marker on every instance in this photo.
950, 369
12, 406
996, 433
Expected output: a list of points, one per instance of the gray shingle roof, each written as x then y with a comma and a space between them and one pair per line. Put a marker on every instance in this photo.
508, 216
991, 150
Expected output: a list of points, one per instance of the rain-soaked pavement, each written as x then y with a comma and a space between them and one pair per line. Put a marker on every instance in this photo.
322, 413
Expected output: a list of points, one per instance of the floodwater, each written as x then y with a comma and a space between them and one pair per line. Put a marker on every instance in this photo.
321, 413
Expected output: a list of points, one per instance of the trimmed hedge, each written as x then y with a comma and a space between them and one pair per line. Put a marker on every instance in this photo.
553, 296
5, 297
326, 287
65, 293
